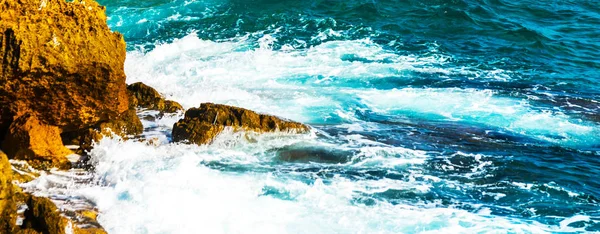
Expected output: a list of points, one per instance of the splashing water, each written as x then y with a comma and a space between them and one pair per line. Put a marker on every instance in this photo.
438, 117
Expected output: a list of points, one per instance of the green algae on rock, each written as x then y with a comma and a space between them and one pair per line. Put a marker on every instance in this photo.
201, 125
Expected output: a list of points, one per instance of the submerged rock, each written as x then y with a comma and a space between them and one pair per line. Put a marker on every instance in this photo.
303, 154
147, 97
201, 125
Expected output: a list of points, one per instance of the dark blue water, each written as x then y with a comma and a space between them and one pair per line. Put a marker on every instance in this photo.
488, 107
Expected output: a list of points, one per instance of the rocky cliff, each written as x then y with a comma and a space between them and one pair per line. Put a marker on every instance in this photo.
61, 62
61, 75
61, 71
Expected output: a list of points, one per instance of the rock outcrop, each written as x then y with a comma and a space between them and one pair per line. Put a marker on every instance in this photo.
201, 125
61, 80
61, 72
147, 97
61, 62
43, 216
127, 125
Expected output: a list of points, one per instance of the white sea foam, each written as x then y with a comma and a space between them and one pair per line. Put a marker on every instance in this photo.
482, 107
304, 85
232, 186
297, 84
168, 189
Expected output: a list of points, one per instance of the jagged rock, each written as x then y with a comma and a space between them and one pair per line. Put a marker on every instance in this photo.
30, 139
61, 62
7, 204
147, 97
127, 125
201, 125
43, 215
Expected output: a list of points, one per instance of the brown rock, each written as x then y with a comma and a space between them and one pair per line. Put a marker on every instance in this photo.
201, 125
30, 139
128, 124
44, 216
148, 97
60, 62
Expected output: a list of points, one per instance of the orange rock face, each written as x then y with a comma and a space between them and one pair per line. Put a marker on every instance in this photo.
201, 125
61, 72
60, 62
30, 139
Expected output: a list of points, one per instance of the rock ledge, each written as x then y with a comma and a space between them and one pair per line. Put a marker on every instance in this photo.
201, 125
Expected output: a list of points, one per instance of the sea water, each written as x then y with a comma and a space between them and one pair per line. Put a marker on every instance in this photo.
444, 116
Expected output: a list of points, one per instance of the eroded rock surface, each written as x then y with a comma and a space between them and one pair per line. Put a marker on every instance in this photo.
61, 62
201, 125
128, 124
61, 66
30, 139
43, 216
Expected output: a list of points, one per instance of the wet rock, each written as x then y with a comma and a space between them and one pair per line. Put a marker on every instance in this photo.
201, 125
128, 125
43, 216
30, 139
147, 97
305, 154
7, 204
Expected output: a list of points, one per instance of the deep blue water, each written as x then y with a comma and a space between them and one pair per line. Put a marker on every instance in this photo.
490, 107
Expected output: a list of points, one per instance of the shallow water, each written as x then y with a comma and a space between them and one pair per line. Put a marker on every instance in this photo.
439, 116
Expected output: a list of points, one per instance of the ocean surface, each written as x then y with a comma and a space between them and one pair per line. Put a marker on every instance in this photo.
438, 116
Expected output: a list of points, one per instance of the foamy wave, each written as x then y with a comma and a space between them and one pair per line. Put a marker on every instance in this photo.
297, 84
167, 189
485, 108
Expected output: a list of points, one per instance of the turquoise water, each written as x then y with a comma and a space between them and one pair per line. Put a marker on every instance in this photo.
454, 116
